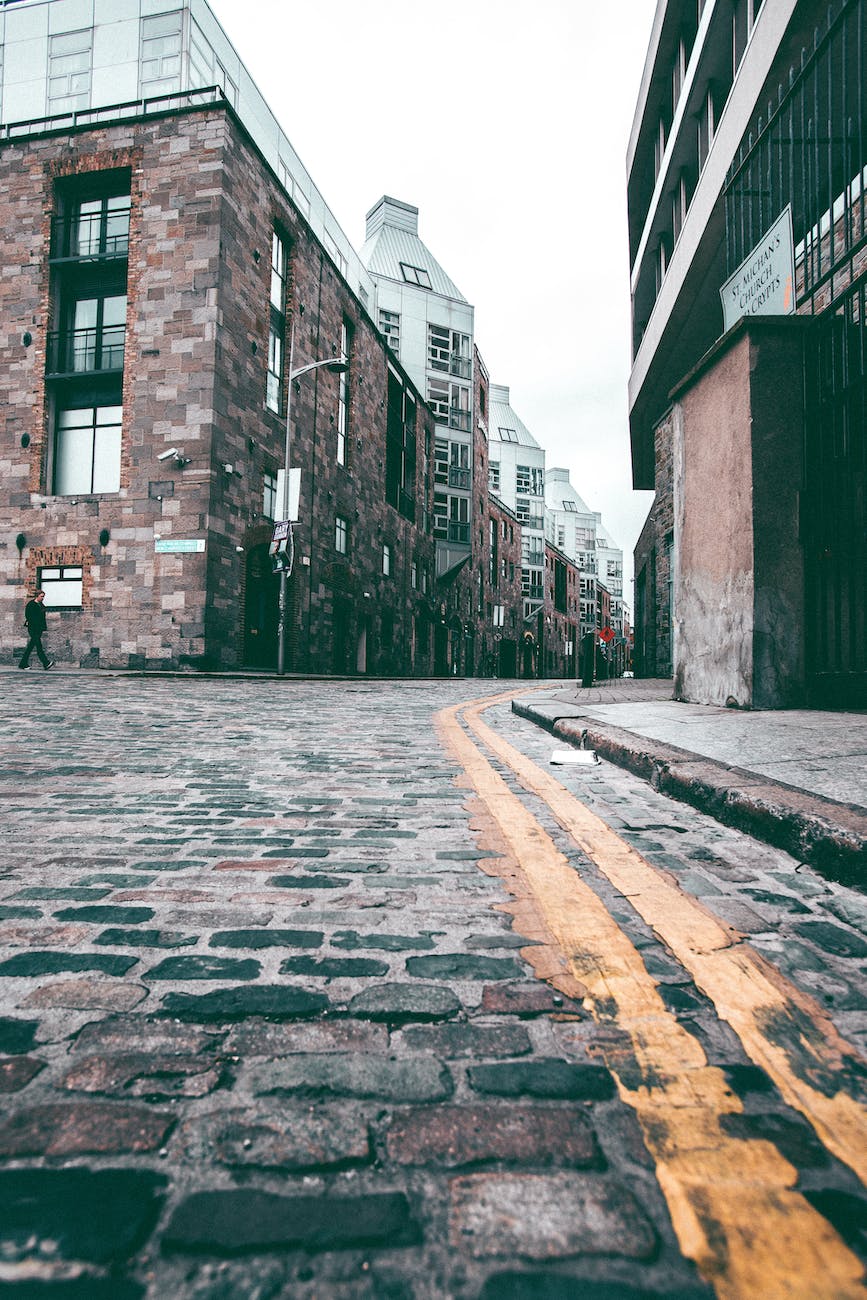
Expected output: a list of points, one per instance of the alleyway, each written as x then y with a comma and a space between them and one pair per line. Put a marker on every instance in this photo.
341, 990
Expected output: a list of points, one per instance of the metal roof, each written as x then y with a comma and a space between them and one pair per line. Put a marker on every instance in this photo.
389, 246
502, 416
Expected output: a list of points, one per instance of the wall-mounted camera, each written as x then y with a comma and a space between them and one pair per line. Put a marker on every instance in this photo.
174, 453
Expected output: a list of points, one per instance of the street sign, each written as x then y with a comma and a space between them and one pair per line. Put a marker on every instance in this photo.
282, 529
607, 634
282, 548
763, 284
181, 545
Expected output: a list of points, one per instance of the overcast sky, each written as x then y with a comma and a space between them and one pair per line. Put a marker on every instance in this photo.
505, 122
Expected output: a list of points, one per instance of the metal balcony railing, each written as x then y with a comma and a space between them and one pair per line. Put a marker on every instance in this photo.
90, 236
87, 351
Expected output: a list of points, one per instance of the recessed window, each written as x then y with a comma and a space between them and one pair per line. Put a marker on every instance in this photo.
415, 275
413, 575
386, 560
570, 505
343, 393
508, 435
269, 496
341, 535
87, 450
62, 586
389, 327
277, 323
493, 476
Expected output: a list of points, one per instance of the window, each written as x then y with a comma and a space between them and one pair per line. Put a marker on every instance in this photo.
341, 535
205, 68
96, 228
415, 275
659, 148
62, 586
448, 350
386, 560
706, 127
389, 327
530, 480
400, 446
450, 404
493, 476
570, 505
441, 461
269, 496
459, 519
277, 323
459, 465
95, 338
678, 73
161, 54
343, 393
293, 189
508, 435
333, 250
87, 450
413, 575
493, 539
69, 60
679, 205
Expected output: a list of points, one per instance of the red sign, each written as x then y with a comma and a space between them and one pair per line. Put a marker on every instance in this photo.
607, 634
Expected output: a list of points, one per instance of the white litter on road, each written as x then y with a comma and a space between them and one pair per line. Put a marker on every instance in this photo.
586, 757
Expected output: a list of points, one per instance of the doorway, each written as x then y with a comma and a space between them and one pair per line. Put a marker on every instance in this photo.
261, 611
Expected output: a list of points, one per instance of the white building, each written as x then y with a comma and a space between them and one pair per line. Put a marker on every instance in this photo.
429, 324
572, 526
516, 471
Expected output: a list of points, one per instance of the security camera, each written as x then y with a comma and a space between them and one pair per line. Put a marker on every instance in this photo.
167, 455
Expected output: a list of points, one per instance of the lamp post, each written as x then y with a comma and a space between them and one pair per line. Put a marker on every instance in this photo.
337, 366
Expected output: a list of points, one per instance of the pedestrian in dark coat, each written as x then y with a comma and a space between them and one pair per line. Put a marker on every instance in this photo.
34, 618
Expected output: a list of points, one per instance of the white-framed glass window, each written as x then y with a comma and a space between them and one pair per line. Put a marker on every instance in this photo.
161, 54
389, 327
341, 535
69, 64
62, 585
415, 275
277, 322
87, 450
343, 393
448, 350
386, 560
493, 476
269, 495
507, 435
206, 69
413, 575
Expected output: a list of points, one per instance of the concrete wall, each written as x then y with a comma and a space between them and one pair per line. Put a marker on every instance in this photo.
737, 476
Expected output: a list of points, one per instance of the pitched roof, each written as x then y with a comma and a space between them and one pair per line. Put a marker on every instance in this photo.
392, 242
502, 416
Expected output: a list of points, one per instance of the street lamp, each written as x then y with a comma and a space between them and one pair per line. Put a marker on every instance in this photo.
337, 366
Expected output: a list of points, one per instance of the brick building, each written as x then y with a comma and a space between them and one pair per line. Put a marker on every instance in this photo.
164, 270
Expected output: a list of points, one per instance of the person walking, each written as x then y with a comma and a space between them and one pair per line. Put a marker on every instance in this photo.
34, 618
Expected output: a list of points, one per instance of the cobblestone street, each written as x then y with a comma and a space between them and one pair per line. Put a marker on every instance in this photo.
308, 992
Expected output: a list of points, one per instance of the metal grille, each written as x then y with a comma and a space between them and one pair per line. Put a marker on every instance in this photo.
808, 149
834, 519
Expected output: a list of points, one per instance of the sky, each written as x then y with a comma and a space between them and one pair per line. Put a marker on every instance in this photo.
506, 123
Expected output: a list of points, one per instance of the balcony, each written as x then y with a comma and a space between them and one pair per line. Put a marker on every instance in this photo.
92, 236
86, 351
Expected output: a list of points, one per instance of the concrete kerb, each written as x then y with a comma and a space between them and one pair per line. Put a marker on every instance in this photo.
830, 836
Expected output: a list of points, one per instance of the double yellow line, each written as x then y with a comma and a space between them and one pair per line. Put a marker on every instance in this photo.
732, 1201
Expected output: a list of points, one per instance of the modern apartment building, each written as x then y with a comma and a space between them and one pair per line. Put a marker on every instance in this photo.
746, 171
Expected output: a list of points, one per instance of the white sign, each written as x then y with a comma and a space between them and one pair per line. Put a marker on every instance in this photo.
764, 283
294, 493
162, 545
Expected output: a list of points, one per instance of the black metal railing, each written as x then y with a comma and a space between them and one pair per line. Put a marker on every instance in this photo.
86, 351
91, 235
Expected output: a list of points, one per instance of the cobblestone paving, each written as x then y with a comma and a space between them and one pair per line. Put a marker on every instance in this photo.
266, 1031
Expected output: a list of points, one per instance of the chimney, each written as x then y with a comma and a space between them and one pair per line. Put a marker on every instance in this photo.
391, 212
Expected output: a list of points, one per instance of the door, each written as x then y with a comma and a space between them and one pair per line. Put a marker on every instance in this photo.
261, 610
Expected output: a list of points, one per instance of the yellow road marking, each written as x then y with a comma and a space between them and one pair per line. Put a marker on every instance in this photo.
731, 1200
783, 1030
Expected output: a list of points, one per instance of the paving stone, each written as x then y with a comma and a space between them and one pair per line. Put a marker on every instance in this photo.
548, 1077
30, 964
563, 1286
83, 995
351, 939
145, 1075
334, 967
274, 1001
550, 1216
463, 966
418, 1078
119, 938
398, 1003
167, 864
96, 1216
457, 1136
119, 880
829, 937
505, 940
83, 1128
17, 1071
17, 1035
88, 1287
19, 913
204, 968
293, 851
848, 908
293, 1138
793, 1138
772, 899
263, 1038
309, 882
123, 1035
266, 939
476, 1041
228, 1223
105, 912
75, 893
529, 999
44, 936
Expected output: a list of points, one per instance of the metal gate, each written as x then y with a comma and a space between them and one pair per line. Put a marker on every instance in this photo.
833, 521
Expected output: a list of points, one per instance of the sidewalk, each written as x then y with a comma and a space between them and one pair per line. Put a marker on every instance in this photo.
793, 778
